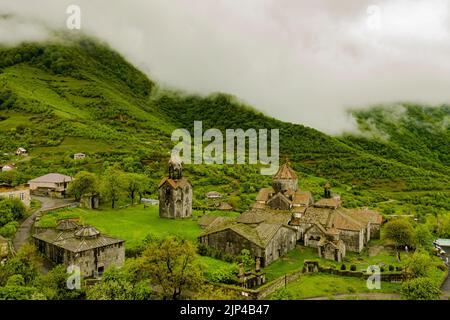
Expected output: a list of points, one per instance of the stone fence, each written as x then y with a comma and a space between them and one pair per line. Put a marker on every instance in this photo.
272, 286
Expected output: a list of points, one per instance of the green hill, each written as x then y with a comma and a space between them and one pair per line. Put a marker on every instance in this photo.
78, 95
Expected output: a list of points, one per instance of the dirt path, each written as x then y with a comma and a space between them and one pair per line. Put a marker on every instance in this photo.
24, 231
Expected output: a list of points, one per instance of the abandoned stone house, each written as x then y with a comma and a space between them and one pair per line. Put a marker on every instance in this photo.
175, 193
283, 213
82, 246
52, 184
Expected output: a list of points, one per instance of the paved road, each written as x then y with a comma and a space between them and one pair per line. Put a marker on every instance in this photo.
24, 231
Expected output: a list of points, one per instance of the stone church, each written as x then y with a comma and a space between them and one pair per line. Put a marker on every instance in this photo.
175, 193
283, 216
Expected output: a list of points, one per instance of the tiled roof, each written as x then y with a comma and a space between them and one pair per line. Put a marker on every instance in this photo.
285, 172
328, 203
267, 224
180, 183
263, 194
302, 198
331, 218
366, 215
68, 241
52, 178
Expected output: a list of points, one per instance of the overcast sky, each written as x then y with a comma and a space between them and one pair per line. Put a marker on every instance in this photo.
303, 61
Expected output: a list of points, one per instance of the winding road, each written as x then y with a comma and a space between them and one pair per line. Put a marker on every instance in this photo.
24, 231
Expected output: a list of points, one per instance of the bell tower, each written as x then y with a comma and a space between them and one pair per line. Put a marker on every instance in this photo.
175, 192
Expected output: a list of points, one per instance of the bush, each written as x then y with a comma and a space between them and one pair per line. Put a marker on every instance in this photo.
352, 267
225, 275
398, 268
382, 269
343, 267
420, 289
391, 268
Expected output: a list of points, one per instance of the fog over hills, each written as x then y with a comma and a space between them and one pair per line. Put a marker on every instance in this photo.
300, 61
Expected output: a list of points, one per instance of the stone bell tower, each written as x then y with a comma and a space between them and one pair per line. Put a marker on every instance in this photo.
285, 179
175, 192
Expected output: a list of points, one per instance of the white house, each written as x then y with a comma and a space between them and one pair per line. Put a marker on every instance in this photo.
79, 156
21, 151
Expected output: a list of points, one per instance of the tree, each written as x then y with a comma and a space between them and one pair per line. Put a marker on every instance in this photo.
54, 285
423, 236
84, 183
400, 232
27, 263
113, 185
120, 284
136, 184
246, 259
420, 289
172, 266
419, 264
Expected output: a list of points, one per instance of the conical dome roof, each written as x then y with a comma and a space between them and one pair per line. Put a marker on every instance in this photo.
285, 172
64, 225
87, 232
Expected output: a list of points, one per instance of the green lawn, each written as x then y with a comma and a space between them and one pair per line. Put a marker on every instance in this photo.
294, 259
132, 224
321, 284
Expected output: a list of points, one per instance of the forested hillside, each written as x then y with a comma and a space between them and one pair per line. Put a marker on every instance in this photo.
78, 95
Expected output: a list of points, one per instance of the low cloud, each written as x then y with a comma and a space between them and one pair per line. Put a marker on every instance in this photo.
300, 61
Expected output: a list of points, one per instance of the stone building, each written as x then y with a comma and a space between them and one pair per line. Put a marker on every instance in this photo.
175, 193
265, 234
20, 192
82, 246
52, 184
284, 215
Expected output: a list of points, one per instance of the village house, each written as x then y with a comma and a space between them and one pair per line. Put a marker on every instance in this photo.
21, 151
175, 193
52, 184
82, 246
79, 156
283, 212
8, 167
213, 195
21, 192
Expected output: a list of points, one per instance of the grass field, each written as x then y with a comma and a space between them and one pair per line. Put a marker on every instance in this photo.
320, 285
132, 224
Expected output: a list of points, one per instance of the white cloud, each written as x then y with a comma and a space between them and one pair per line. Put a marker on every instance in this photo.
300, 61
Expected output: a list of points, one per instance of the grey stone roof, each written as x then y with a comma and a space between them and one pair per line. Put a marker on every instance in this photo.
68, 240
52, 178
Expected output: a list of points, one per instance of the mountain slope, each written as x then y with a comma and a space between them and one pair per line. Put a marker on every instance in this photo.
79, 96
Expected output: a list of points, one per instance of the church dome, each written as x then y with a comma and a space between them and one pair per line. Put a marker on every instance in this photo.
285, 179
65, 225
87, 232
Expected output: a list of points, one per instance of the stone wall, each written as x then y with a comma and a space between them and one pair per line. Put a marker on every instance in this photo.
375, 231
176, 203
284, 240
89, 261
232, 243
354, 240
